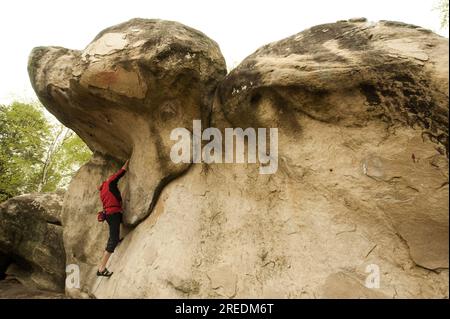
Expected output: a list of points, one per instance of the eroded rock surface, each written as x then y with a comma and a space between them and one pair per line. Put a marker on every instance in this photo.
31, 240
344, 73
13, 289
359, 82
362, 113
126, 91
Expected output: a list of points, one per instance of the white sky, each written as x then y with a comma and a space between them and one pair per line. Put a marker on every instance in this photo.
238, 26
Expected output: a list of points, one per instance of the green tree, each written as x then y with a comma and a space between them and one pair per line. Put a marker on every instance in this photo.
442, 7
65, 154
23, 135
35, 155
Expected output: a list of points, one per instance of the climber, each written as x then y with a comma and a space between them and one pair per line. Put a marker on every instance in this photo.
112, 207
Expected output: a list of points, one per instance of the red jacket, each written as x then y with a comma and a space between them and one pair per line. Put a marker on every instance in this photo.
110, 194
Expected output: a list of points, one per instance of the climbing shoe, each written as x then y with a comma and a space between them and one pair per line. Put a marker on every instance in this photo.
104, 273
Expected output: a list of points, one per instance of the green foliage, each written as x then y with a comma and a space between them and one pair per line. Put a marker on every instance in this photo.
69, 154
35, 155
442, 7
23, 135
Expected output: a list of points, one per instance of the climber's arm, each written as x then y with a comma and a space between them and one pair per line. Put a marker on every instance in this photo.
118, 175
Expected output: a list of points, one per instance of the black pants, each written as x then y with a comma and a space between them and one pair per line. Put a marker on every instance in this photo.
113, 221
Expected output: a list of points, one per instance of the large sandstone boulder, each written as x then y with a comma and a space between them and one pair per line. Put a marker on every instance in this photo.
370, 98
362, 182
31, 244
125, 92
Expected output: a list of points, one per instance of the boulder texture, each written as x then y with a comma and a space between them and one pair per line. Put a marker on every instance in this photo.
125, 92
362, 183
12, 289
31, 246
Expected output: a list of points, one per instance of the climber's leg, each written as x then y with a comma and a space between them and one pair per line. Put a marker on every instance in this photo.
113, 221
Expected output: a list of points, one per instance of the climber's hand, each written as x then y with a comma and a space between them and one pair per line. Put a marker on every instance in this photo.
125, 166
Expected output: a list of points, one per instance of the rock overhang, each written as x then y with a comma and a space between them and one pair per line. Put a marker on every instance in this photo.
116, 93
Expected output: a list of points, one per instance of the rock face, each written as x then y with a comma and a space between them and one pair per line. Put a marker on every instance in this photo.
31, 240
362, 183
398, 73
125, 92
345, 80
12, 289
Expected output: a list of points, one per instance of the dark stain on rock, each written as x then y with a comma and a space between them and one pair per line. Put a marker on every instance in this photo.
370, 92
255, 98
325, 57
